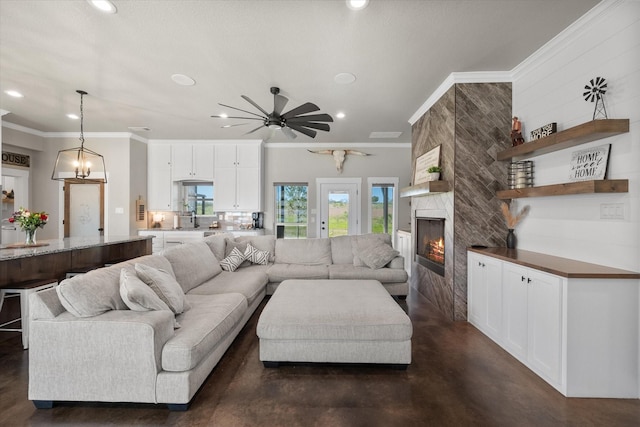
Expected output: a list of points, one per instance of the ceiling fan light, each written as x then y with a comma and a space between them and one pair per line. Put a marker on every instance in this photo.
274, 126
357, 4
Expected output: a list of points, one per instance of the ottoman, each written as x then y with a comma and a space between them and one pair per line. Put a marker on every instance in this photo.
334, 321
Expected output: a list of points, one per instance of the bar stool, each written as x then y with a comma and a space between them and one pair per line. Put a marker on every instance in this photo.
23, 290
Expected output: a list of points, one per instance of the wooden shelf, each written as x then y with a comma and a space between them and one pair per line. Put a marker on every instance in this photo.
425, 189
586, 132
582, 187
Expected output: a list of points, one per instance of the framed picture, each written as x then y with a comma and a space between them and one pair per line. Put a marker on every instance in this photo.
424, 162
589, 164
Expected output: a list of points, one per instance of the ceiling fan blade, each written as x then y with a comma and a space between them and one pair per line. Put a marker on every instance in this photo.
308, 132
311, 118
321, 126
231, 126
289, 133
279, 103
244, 111
302, 109
233, 117
250, 101
253, 130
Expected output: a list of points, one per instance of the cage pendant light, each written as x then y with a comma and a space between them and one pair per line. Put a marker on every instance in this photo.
80, 162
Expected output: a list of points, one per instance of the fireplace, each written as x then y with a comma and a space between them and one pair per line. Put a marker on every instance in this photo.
430, 244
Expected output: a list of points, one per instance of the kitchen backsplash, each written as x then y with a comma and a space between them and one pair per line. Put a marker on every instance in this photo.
223, 220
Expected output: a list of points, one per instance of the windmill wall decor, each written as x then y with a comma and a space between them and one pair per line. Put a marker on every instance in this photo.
594, 91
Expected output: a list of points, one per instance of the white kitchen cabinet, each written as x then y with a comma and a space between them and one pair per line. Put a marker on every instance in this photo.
485, 294
405, 249
533, 319
238, 177
174, 238
193, 161
157, 242
574, 324
159, 185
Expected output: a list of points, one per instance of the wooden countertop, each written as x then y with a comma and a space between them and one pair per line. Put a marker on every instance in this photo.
563, 267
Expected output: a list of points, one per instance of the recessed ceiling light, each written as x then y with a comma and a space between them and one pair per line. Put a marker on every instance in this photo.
357, 4
344, 78
183, 80
340, 115
14, 93
73, 116
104, 6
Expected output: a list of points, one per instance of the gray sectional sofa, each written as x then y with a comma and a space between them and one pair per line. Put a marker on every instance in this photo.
96, 337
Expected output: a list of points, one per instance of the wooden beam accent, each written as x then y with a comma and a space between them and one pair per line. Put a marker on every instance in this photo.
586, 132
582, 187
424, 189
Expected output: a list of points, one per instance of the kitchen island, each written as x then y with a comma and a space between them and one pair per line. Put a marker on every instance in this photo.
57, 257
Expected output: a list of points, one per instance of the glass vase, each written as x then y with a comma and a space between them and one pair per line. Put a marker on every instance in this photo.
30, 237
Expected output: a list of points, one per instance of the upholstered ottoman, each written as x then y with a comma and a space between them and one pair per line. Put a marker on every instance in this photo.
334, 321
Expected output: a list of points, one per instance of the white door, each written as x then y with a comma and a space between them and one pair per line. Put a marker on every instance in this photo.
84, 215
339, 209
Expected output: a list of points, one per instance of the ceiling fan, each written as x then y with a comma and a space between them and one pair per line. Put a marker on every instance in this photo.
292, 120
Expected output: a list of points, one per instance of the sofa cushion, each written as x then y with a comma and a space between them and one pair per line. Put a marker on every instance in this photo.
351, 272
210, 319
93, 293
256, 256
341, 249
192, 263
217, 243
233, 260
303, 251
164, 285
264, 243
280, 272
249, 282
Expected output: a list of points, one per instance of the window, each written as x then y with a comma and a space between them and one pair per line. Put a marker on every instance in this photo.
382, 205
291, 210
198, 198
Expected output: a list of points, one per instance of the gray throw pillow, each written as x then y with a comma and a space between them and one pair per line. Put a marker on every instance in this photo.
241, 246
377, 255
256, 256
233, 261
139, 297
165, 286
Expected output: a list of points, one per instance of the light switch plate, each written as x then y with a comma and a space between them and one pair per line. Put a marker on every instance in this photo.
612, 211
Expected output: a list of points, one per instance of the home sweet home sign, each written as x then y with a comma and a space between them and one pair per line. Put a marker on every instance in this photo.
589, 164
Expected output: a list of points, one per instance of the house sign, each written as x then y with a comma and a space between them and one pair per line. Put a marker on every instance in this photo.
16, 159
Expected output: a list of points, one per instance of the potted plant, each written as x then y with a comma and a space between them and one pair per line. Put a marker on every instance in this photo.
434, 173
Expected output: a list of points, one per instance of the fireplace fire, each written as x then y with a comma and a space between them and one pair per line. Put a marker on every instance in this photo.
430, 244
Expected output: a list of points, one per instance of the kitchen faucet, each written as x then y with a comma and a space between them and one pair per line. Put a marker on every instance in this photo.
194, 219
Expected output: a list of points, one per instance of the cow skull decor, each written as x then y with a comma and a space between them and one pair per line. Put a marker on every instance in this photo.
339, 156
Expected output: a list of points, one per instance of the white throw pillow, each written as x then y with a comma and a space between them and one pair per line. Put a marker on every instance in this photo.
377, 255
256, 256
165, 286
139, 297
233, 261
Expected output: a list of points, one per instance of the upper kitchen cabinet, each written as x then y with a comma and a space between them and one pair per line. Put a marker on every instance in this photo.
159, 177
238, 177
192, 161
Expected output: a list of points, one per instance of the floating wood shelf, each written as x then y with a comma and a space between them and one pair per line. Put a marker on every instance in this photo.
424, 189
582, 187
586, 132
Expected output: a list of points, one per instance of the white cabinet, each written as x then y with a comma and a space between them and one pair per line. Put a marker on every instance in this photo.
405, 249
485, 294
192, 161
157, 242
533, 319
159, 184
174, 238
238, 177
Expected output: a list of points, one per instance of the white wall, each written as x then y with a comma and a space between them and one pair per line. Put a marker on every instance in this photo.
548, 88
286, 164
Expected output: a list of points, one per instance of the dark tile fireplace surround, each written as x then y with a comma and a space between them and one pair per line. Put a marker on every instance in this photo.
470, 122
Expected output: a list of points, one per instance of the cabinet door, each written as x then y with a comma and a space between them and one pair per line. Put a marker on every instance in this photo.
248, 156
515, 308
545, 325
182, 161
493, 285
224, 189
203, 158
159, 177
248, 189
225, 156
477, 290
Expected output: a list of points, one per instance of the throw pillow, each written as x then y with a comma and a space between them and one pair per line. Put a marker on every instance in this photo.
241, 246
376, 256
233, 261
256, 256
165, 286
139, 297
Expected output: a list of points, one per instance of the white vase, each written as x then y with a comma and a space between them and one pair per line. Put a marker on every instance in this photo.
434, 176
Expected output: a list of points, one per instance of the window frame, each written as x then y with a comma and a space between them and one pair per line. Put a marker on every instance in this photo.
392, 181
277, 209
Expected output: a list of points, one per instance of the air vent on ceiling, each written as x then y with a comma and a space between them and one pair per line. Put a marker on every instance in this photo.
385, 134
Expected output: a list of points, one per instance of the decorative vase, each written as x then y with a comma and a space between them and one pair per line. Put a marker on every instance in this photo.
511, 239
31, 237
434, 176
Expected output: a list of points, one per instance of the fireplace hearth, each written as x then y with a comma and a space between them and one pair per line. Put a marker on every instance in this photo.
430, 244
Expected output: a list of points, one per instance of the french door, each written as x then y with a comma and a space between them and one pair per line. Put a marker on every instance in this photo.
339, 212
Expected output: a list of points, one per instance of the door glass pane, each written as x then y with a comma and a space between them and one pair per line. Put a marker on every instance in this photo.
382, 208
338, 213
85, 210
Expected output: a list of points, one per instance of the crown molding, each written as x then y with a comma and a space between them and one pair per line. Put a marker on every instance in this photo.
3, 112
205, 141
24, 129
334, 145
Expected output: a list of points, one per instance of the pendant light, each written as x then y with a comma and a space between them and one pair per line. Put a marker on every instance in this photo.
79, 162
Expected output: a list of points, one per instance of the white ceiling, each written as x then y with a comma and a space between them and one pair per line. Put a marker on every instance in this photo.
400, 51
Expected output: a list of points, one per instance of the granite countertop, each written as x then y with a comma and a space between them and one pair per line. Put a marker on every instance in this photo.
69, 243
